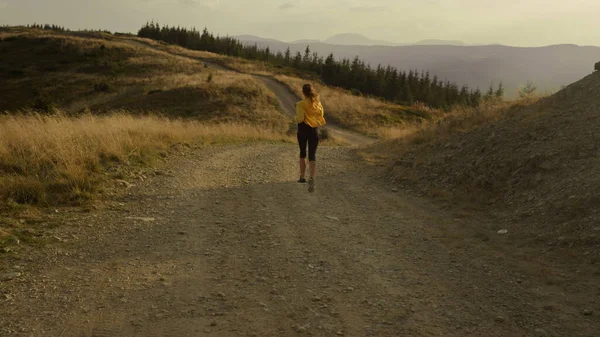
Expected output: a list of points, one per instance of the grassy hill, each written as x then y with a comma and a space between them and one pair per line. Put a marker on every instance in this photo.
103, 73
79, 104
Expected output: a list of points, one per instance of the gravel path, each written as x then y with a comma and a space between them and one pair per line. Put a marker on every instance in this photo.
224, 243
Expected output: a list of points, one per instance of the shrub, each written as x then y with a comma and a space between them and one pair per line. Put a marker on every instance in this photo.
597, 66
101, 86
16, 72
527, 90
323, 134
44, 103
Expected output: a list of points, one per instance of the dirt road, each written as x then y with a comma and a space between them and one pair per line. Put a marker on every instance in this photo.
224, 243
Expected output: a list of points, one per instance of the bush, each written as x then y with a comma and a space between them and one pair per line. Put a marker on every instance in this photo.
16, 73
22, 190
597, 66
44, 103
323, 134
102, 87
527, 90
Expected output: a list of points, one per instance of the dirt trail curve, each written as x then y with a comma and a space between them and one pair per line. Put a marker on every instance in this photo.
287, 99
223, 242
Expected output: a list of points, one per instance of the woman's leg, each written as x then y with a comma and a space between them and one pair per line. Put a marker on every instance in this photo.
313, 144
302, 168
302, 142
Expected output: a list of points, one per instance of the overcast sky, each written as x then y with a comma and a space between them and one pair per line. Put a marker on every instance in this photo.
512, 22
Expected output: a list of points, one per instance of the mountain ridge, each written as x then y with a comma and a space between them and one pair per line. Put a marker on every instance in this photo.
351, 39
478, 66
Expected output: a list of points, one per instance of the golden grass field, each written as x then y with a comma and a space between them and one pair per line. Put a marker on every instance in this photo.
57, 159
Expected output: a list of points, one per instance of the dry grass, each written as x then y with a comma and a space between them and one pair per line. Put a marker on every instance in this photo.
57, 159
459, 119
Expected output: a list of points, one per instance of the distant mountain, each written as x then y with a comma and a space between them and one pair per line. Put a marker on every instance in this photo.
433, 42
253, 38
307, 41
350, 39
548, 67
361, 40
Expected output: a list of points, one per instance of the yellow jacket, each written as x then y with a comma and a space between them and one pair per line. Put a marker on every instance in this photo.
310, 113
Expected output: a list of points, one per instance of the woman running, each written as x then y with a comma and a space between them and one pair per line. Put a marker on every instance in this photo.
309, 115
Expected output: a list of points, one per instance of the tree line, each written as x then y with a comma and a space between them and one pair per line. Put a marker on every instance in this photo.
385, 82
62, 29
55, 28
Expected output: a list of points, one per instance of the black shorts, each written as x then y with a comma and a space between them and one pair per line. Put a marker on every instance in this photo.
308, 135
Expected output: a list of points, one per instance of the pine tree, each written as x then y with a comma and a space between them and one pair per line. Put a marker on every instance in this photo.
500, 91
298, 61
490, 93
288, 57
306, 58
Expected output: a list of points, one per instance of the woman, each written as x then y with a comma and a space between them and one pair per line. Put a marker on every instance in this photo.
309, 115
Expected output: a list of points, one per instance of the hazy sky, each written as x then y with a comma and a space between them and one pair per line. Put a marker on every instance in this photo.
513, 22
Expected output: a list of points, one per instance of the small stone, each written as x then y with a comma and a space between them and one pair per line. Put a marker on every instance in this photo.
301, 329
394, 190
333, 218
540, 332
125, 183
339, 333
503, 231
144, 219
587, 312
213, 323
9, 276
500, 319
350, 289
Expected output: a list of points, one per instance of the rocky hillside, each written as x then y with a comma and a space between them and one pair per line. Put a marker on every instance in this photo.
539, 165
